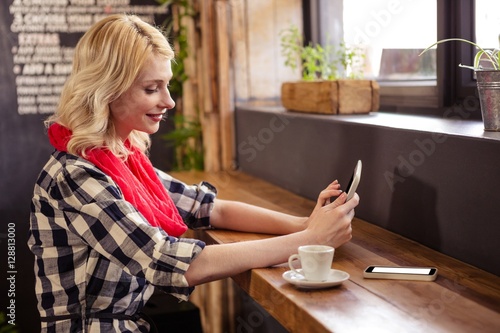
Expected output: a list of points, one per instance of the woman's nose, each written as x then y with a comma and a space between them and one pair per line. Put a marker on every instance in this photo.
167, 101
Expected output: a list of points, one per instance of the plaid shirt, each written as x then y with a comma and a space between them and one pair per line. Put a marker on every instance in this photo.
96, 255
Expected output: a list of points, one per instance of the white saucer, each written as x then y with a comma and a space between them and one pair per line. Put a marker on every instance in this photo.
335, 278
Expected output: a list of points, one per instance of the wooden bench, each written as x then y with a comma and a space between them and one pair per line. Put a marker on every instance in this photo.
462, 299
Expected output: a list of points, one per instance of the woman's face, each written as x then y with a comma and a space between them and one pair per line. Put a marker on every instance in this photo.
146, 102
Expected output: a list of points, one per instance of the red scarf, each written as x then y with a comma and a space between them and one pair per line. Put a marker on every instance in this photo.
135, 177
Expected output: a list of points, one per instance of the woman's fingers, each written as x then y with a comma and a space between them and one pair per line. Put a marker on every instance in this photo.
339, 201
332, 190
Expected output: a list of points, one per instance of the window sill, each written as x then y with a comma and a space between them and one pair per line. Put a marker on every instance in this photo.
423, 123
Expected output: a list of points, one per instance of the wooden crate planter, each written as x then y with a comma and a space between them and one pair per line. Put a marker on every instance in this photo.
331, 97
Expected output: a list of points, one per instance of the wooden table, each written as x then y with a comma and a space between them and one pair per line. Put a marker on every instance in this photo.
462, 299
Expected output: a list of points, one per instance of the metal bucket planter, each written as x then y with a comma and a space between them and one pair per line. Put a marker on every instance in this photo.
488, 86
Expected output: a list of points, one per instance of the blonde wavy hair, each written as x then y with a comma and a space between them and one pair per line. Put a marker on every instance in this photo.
107, 60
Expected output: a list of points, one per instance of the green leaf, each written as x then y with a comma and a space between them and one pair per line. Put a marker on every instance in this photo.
491, 55
318, 61
188, 143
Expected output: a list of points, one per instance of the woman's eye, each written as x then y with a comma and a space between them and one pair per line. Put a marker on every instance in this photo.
151, 90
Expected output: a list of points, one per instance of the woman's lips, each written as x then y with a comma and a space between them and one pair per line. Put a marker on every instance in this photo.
156, 117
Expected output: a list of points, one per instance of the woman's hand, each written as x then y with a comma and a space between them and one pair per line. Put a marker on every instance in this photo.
332, 190
330, 223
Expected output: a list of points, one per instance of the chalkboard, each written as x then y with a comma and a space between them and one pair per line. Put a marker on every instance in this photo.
36, 48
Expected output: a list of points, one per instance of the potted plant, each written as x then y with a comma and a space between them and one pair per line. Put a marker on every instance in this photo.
331, 80
487, 69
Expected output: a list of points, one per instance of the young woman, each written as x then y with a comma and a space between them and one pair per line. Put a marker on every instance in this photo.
106, 225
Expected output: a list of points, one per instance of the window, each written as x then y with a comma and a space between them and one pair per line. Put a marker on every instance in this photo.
386, 31
395, 31
487, 21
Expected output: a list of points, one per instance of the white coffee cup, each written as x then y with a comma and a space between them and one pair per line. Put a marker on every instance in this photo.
316, 261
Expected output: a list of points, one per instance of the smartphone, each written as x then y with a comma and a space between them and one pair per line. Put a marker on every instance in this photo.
401, 273
354, 182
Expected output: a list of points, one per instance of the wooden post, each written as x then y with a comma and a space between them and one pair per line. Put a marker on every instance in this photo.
190, 109
211, 141
239, 50
209, 102
189, 87
208, 56
226, 112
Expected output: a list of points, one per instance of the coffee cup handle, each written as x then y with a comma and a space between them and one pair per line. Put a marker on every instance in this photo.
290, 263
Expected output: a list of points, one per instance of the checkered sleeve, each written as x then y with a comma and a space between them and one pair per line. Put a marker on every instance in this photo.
94, 209
194, 202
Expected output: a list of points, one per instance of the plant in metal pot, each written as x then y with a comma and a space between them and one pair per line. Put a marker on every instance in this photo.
331, 77
487, 68
490, 57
